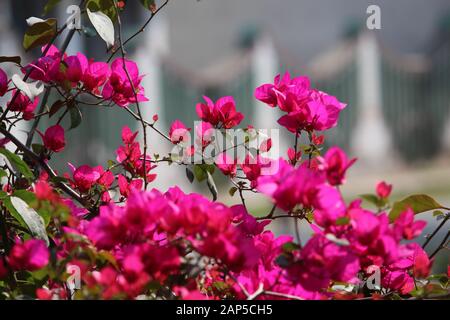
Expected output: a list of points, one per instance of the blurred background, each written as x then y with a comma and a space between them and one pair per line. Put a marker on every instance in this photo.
396, 80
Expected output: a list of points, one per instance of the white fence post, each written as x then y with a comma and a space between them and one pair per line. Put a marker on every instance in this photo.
371, 140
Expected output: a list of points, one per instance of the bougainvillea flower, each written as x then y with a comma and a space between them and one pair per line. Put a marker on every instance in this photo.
29, 255
406, 227
84, 177
178, 132
3, 82
23, 104
383, 190
204, 132
126, 187
76, 67
46, 68
95, 76
130, 156
276, 94
220, 114
226, 164
335, 163
119, 89
53, 138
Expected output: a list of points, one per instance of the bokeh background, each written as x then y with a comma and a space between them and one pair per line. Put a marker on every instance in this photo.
396, 81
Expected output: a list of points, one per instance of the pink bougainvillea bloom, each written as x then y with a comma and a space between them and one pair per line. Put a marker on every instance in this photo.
95, 76
276, 94
293, 157
384, 190
226, 164
406, 227
247, 223
220, 114
292, 186
319, 114
23, 104
421, 262
126, 187
76, 67
130, 156
46, 68
84, 177
266, 145
178, 132
335, 163
323, 261
30, 255
119, 89
54, 139
204, 132
3, 82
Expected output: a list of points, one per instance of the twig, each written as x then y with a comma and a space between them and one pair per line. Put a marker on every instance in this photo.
441, 245
114, 51
436, 230
35, 124
141, 119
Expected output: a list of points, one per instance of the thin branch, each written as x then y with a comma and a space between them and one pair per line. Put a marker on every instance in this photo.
441, 246
114, 51
28, 73
447, 216
141, 119
35, 124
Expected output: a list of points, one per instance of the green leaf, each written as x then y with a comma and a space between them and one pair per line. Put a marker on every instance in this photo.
232, 191
289, 247
37, 148
27, 217
342, 221
50, 5
418, 203
18, 163
56, 106
3, 173
211, 185
149, 5
372, 199
39, 34
199, 173
103, 25
30, 198
75, 117
15, 59
105, 6
190, 175
437, 213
